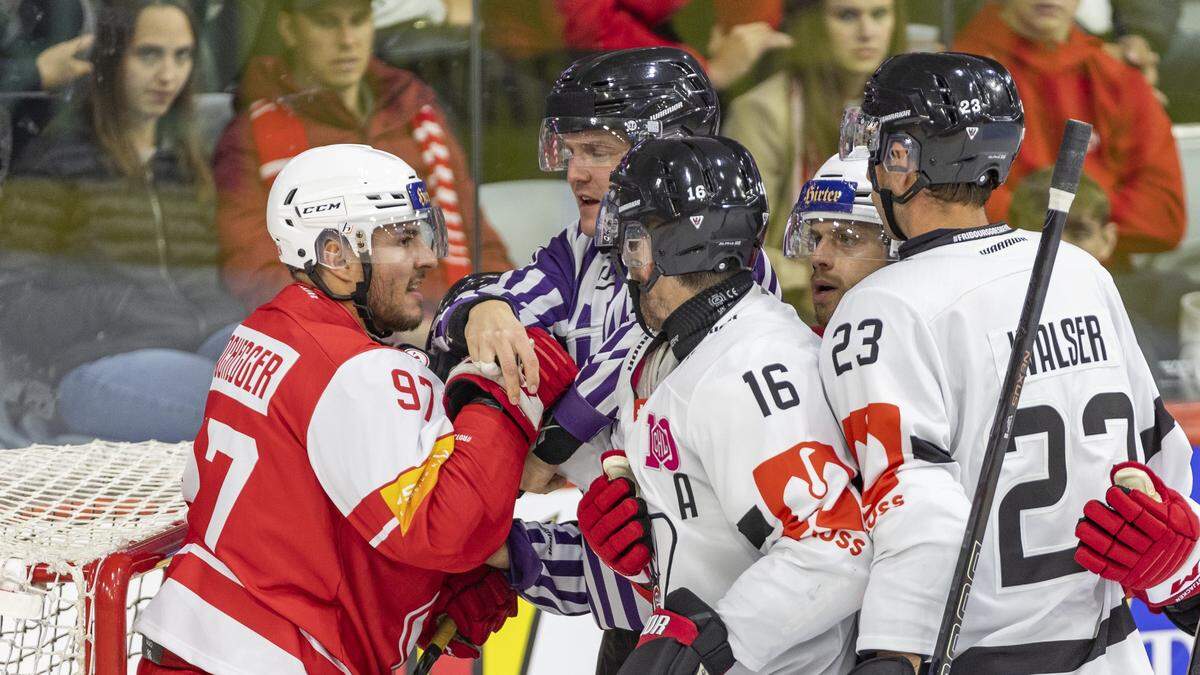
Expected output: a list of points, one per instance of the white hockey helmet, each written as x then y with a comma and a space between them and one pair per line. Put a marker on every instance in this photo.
840, 194
347, 190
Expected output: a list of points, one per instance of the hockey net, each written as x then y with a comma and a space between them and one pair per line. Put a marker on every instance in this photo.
84, 533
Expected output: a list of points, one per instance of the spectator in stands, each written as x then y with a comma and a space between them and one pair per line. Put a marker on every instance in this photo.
1152, 297
1062, 72
108, 264
789, 122
329, 89
1138, 31
607, 25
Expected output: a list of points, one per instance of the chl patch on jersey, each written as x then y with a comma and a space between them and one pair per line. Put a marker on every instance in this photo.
664, 453
251, 368
418, 355
1061, 345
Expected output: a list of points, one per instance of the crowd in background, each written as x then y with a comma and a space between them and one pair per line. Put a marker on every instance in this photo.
139, 140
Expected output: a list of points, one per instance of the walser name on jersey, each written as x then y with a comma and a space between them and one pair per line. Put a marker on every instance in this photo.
1060, 344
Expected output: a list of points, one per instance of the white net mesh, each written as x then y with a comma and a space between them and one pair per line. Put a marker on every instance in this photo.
63, 509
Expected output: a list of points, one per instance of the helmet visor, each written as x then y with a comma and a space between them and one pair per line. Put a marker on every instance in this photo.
901, 154
608, 223
589, 142
426, 227
635, 247
858, 129
807, 236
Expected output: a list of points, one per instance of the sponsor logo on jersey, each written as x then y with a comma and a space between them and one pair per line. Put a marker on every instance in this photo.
697, 221
251, 368
798, 485
663, 452
322, 208
405, 495
972, 132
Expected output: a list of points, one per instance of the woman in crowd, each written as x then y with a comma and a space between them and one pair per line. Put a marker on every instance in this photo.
790, 121
108, 267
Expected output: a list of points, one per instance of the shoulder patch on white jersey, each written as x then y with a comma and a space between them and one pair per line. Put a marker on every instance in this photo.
251, 367
1063, 344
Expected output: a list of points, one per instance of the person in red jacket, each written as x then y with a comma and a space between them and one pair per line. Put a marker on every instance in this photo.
341, 499
1064, 73
328, 89
735, 46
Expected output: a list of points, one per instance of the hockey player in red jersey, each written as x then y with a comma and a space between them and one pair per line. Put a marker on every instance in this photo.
337, 505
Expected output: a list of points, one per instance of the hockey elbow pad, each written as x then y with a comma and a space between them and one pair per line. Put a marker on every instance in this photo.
555, 444
470, 380
684, 637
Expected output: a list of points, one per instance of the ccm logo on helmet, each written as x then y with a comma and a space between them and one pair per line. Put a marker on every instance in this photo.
322, 208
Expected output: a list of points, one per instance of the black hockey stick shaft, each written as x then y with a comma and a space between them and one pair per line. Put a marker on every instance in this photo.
1063, 184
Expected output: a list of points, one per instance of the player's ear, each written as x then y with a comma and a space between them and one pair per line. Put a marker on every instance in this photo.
285, 22
1108, 240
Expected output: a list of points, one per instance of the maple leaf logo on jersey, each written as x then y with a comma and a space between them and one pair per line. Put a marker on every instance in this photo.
663, 452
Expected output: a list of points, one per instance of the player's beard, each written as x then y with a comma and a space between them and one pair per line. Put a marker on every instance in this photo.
389, 302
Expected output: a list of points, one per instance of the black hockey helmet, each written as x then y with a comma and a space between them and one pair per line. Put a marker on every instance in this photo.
948, 117
638, 93
692, 204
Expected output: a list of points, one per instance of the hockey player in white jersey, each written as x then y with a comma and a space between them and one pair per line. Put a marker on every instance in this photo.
759, 559
912, 364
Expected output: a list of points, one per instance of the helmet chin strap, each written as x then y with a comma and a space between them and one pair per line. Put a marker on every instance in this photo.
358, 296
890, 200
636, 288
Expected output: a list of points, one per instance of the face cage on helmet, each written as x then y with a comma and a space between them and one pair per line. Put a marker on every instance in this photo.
896, 152
554, 155
848, 237
429, 224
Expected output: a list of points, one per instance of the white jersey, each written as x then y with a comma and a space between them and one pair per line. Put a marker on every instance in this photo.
747, 483
912, 363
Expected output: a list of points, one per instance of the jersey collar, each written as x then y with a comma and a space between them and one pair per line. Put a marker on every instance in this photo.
691, 321
948, 235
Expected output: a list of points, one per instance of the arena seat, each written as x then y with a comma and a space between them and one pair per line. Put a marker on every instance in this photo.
214, 110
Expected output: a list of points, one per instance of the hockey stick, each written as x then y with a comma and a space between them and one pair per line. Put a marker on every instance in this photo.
437, 645
1063, 185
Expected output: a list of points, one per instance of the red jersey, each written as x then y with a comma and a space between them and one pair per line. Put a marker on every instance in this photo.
326, 500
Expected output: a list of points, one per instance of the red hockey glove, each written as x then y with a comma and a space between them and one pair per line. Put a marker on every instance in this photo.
1142, 543
556, 371
479, 602
614, 522
684, 637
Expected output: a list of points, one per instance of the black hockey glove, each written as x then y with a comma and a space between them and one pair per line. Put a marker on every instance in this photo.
679, 639
884, 665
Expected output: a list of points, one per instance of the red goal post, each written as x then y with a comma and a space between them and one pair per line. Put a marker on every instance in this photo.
84, 532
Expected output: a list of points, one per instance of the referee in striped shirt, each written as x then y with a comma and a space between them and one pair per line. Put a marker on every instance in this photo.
599, 107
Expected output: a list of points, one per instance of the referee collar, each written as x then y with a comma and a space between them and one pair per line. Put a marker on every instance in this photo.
950, 235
